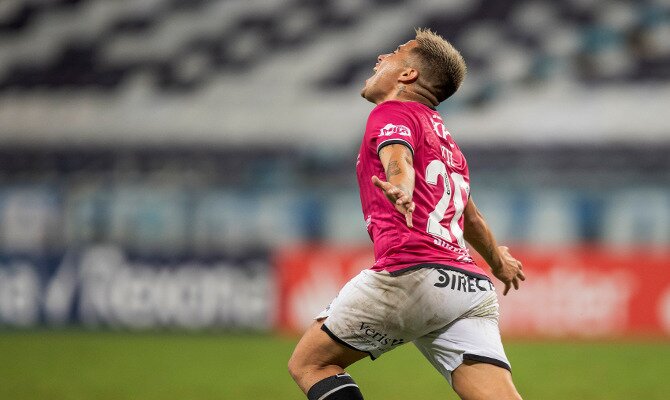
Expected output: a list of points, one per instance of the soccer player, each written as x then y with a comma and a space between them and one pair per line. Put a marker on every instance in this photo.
423, 287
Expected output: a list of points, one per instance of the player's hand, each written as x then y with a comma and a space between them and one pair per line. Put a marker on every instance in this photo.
400, 199
509, 270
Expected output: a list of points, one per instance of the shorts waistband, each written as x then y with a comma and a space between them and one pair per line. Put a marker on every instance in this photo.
440, 266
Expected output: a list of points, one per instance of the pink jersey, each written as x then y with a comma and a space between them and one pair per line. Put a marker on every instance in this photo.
441, 191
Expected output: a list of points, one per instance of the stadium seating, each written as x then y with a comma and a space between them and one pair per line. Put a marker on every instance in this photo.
80, 44
202, 101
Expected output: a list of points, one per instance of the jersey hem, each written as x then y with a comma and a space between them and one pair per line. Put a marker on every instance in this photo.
439, 266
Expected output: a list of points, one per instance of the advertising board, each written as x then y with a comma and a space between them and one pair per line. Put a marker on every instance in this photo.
571, 291
101, 286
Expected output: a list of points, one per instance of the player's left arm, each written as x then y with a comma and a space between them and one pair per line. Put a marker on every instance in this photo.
476, 231
398, 164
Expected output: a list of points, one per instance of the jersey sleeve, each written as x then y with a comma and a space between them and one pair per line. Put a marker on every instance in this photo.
391, 123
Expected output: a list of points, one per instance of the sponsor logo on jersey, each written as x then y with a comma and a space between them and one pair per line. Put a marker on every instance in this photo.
391, 129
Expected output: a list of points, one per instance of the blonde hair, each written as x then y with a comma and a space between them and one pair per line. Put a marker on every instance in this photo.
443, 67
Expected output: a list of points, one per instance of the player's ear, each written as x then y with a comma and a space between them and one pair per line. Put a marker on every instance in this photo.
408, 75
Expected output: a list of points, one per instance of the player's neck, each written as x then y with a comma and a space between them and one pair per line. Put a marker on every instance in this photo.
409, 93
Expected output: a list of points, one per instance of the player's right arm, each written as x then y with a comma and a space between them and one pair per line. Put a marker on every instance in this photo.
398, 164
476, 231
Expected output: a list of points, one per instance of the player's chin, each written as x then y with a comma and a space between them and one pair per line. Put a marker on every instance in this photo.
367, 86
364, 88
366, 92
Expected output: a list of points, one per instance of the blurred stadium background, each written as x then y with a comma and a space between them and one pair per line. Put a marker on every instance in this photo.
178, 193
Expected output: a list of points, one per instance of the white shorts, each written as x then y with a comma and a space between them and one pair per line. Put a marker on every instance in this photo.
448, 315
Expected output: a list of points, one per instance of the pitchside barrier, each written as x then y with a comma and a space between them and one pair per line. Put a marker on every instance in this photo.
577, 291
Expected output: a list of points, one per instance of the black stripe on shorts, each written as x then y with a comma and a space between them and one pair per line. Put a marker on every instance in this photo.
342, 342
487, 360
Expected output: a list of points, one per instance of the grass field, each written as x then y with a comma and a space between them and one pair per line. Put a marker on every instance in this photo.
117, 366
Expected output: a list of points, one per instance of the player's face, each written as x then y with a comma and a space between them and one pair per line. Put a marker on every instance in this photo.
387, 70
